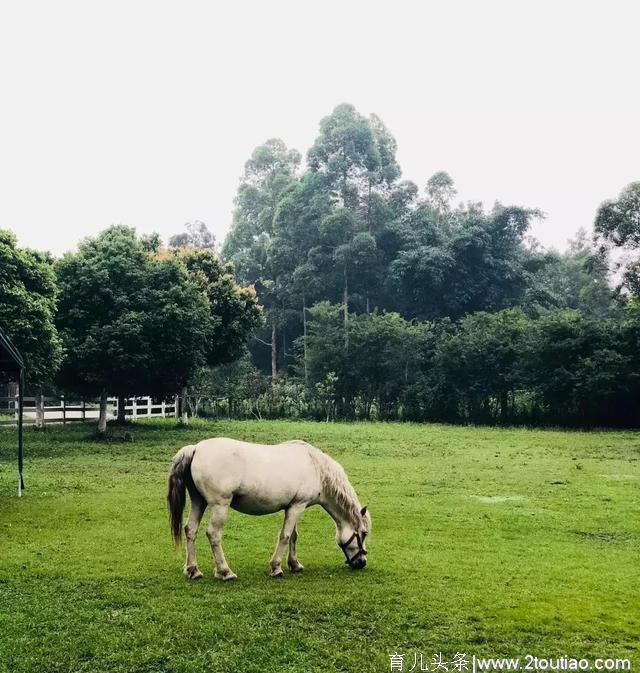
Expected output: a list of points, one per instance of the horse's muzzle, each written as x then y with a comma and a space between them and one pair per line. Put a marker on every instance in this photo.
358, 563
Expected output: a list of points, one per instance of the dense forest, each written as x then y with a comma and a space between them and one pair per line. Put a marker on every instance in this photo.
343, 291
383, 300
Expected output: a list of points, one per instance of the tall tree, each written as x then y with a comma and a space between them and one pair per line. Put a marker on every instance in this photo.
269, 172
233, 310
356, 158
136, 322
468, 261
28, 295
575, 279
196, 236
131, 323
618, 224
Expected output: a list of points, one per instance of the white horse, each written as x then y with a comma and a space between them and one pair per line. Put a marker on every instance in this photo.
262, 479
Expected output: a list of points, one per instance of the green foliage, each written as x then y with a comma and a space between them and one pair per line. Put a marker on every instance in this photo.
577, 279
481, 361
28, 295
131, 323
581, 369
234, 312
346, 258
384, 351
135, 322
196, 236
618, 223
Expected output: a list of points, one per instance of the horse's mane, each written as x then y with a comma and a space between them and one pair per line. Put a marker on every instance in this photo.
336, 485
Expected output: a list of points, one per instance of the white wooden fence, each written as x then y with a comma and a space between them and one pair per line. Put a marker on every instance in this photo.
63, 410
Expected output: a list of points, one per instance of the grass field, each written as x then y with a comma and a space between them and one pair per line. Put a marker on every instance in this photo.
485, 542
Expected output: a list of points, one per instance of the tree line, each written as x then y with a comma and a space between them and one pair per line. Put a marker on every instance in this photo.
343, 291
123, 316
384, 300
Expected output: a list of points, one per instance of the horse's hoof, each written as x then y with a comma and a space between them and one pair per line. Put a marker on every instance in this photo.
298, 568
277, 574
226, 577
192, 573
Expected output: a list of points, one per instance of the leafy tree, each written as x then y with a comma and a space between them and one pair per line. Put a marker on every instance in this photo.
131, 323
135, 322
575, 279
355, 157
470, 261
384, 353
618, 224
578, 368
481, 361
233, 309
269, 172
196, 236
441, 190
28, 295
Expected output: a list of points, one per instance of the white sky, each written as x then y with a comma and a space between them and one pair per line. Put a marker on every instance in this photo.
144, 113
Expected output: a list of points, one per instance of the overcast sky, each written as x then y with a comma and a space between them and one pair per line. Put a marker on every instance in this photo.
144, 113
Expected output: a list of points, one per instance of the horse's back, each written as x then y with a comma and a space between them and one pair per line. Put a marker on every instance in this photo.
227, 466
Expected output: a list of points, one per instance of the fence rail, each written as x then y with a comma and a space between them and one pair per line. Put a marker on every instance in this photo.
64, 410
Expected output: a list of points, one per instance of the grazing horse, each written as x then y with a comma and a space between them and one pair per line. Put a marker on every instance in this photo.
262, 479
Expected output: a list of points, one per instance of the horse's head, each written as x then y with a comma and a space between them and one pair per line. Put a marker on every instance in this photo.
351, 540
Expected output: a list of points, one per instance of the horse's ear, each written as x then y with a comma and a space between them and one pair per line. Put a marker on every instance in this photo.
363, 511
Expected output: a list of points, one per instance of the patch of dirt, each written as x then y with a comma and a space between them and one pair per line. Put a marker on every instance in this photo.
608, 537
493, 499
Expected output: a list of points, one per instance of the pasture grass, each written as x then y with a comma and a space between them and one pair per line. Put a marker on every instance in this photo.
488, 542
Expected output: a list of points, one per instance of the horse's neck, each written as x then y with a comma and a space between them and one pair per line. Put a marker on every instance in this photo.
342, 519
340, 501
337, 494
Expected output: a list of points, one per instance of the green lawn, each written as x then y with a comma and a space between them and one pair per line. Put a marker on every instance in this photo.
485, 541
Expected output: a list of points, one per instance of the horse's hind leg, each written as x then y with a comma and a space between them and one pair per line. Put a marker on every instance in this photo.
214, 533
293, 563
198, 505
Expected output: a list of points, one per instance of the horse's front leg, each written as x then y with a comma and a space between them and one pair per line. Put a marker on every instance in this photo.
294, 565
214, 533
291, 517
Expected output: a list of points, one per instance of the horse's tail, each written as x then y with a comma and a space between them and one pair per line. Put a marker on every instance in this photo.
179, 480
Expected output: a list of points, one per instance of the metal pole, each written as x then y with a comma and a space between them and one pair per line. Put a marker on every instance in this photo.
21, 486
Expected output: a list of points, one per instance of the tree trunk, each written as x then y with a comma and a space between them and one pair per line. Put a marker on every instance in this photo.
184, 417
283, 364
40, 410
345, 301
304, 340
122, 403
504, 406
369, 210
274, 353
195, 405
102, 417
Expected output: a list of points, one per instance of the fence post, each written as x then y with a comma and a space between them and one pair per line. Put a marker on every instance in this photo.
84, 412
176, 410
149, 406
164, 409
134, 408
64, 411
